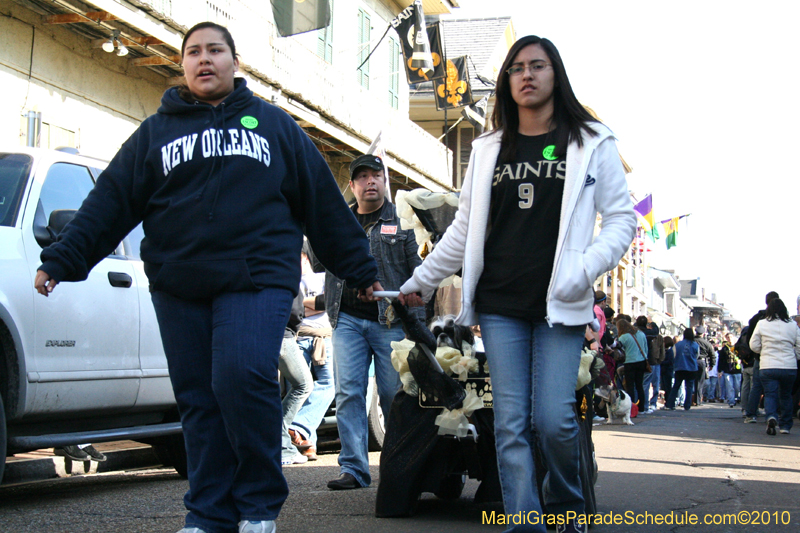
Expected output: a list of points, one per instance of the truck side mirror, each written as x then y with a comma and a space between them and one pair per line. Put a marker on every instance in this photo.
47, 234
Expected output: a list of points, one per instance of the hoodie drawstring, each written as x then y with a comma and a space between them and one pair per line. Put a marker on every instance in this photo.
218, 153
222, 168
213, 160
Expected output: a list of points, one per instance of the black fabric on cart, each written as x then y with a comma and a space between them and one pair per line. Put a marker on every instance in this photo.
416, 459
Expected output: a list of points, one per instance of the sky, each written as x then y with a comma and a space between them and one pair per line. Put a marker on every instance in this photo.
702, 98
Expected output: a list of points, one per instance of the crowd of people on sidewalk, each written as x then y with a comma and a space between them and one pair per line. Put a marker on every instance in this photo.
758, 370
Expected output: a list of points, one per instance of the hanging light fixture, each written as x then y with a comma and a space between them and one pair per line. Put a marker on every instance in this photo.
114, 41
108, 46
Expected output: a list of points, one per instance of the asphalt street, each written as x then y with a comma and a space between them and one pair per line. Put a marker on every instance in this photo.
672, 466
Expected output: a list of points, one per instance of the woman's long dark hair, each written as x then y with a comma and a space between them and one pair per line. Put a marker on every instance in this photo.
569, 116
777, 309
688, 334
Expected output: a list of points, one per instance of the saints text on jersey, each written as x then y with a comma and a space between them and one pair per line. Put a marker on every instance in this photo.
521, 171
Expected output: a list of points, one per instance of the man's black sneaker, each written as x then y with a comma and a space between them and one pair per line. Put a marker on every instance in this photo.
94, 454
72, 452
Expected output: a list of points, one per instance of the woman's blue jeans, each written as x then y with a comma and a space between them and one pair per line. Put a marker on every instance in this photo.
295, 370
223, 362
777, 384
313, 411
534, 370
687, 379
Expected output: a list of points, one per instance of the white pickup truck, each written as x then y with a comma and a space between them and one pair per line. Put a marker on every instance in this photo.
85, 364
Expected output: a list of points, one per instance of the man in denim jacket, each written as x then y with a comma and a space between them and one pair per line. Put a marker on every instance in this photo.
361, 331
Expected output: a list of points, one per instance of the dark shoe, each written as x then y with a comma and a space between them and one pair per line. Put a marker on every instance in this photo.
771, 425
573, 526
94, 454
311, 453
299, 442
344, 482
72, 452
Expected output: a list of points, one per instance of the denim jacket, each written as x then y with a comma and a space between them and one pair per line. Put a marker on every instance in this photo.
395, 251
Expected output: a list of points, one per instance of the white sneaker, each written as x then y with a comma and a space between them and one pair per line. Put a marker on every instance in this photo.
650, 411
296, 459
192, 530
264, 526
598, 418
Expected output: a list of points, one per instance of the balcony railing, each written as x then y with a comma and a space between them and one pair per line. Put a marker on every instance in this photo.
286, 63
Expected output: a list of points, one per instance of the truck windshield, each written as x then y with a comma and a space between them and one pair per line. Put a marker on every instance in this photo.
14, 172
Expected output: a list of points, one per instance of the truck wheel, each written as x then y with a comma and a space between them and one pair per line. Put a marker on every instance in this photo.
451, 486
3, 437
171, 451
375, 421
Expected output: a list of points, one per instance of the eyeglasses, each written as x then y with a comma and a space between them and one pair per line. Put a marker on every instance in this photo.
534, 66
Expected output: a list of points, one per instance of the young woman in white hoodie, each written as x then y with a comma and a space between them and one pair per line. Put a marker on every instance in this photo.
777, 339
524, 237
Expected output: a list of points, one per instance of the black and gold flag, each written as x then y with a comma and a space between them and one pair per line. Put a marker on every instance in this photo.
454, 90
293, 17
404, 24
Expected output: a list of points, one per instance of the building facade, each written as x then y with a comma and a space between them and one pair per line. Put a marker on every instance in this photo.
57, 77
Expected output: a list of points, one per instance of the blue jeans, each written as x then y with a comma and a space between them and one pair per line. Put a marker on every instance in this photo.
747, 380
710, 390
311, 414
653, 380
294, 368
687, 379
534, 368
355, 341
756, 390
223, 363
731, 388
777, 384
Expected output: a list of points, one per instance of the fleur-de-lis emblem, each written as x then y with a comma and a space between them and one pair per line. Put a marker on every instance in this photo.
452, 89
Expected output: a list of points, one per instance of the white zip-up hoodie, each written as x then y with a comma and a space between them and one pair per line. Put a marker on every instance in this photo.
595, 182
778, 342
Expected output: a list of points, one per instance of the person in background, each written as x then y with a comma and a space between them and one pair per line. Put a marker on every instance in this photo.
526, 218
731, 367
685, 364
757, 388
224, 184
635, 344
599, 306
299, 381
710, 394
708, 359
667, 367
777, 338
314, 340
362, 332
747, 357
655, 348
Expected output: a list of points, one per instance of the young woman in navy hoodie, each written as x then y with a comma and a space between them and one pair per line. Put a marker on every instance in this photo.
225, 185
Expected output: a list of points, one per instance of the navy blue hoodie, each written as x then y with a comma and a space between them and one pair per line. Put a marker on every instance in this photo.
225, 195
